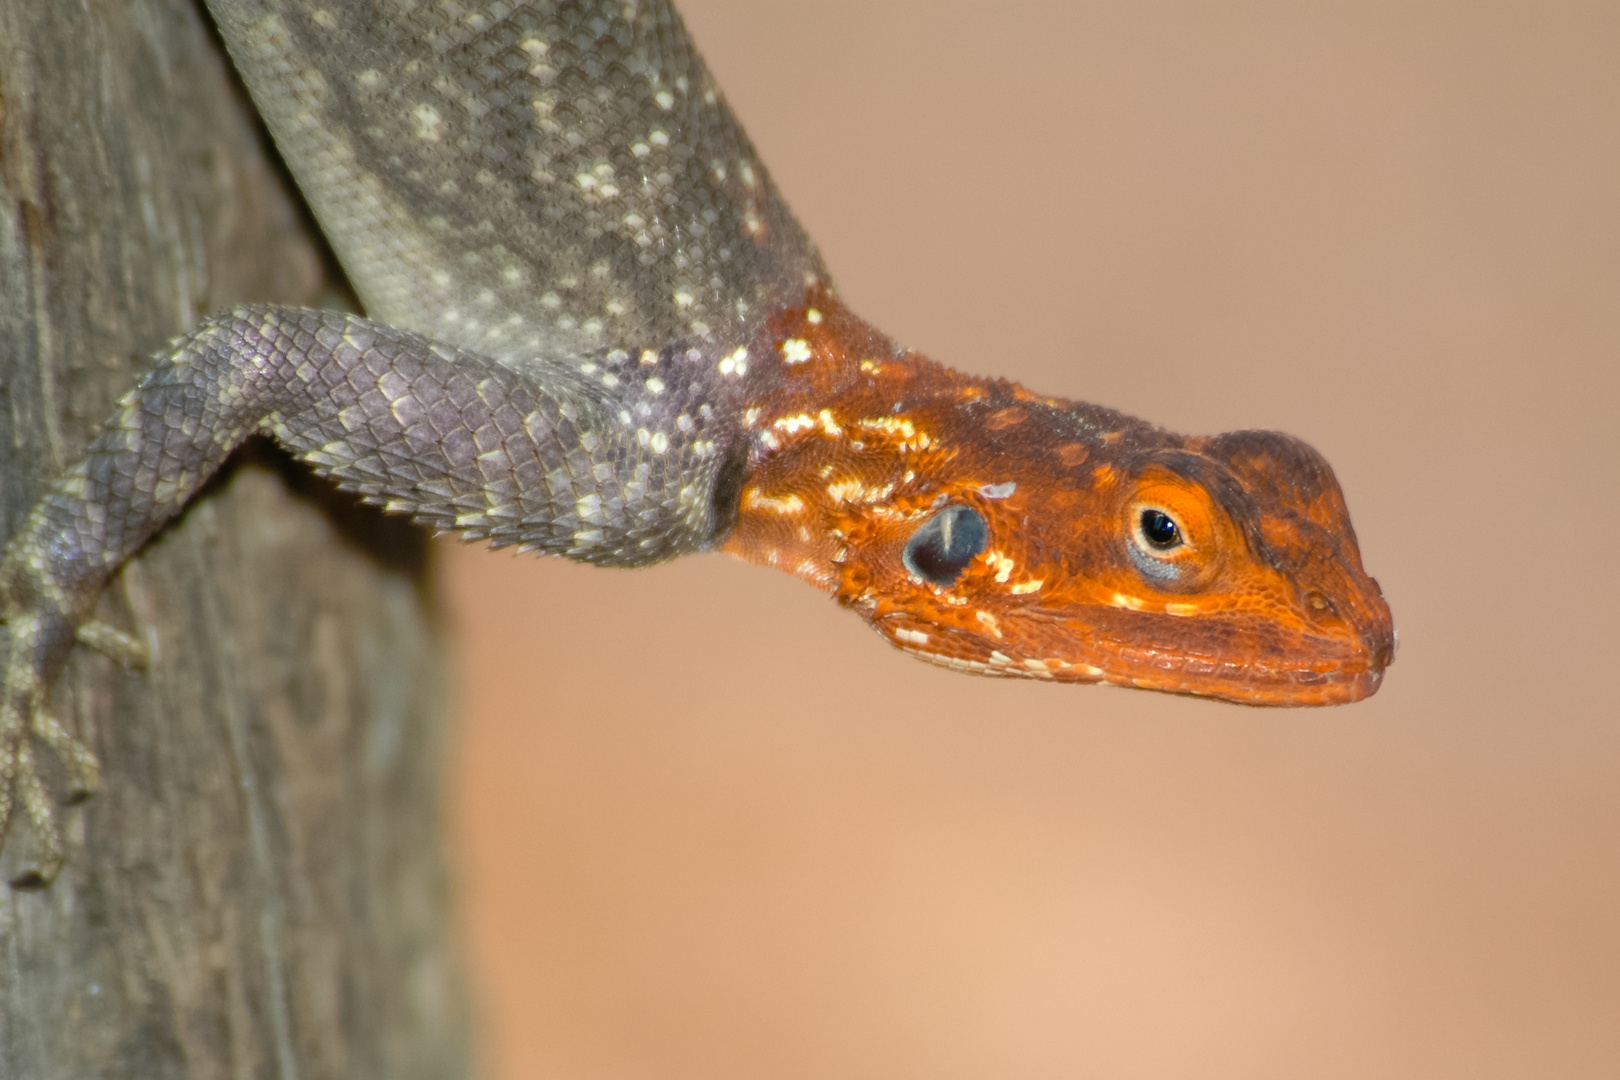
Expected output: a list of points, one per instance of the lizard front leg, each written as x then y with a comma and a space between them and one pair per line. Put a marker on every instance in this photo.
537, 457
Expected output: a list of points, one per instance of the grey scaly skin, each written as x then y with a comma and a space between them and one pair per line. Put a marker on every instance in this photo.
559, 233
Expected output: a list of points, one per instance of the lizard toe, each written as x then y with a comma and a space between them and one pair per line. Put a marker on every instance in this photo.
48, 854
83, 770
123, 649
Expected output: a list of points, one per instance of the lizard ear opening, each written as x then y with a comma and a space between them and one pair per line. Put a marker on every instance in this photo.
940, 550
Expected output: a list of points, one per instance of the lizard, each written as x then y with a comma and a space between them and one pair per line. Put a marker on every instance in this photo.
594, 329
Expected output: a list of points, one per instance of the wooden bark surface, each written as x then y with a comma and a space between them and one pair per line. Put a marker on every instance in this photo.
259, 889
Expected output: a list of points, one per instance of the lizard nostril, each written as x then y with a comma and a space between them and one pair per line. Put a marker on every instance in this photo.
1320, 607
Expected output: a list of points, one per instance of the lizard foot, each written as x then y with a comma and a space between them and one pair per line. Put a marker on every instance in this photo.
26, 723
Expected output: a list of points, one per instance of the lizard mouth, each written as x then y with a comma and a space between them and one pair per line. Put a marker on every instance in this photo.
1253, 682
1271, 666
1310, 670
1307, 682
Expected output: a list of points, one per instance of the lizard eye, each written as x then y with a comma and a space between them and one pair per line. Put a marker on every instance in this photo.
940, 550
1160, 546
1172, 532
1158, 529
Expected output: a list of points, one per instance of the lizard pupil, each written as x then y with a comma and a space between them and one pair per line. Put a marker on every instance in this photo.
1160, 529
940, 550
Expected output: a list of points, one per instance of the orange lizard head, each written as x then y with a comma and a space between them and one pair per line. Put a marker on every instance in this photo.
1225, 567
992, 530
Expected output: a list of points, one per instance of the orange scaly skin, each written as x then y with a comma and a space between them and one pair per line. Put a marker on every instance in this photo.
1264, 601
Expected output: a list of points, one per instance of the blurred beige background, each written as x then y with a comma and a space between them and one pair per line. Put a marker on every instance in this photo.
711, 827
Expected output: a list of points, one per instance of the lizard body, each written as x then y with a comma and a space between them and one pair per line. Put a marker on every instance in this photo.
594, 329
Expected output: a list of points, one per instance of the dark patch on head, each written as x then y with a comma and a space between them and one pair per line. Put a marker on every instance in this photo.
1289, 480
1277, 465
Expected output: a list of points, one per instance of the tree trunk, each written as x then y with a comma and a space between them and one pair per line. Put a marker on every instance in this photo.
259, 890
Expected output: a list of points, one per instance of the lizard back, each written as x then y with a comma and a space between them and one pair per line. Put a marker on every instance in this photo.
532, 180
